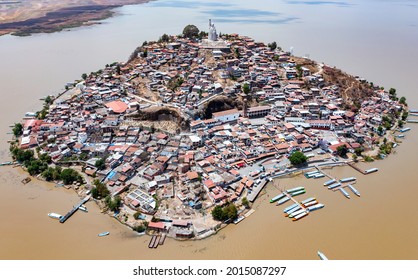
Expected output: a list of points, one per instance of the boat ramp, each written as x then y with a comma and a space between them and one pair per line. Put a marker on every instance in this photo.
254, 193
74, 209
156, 240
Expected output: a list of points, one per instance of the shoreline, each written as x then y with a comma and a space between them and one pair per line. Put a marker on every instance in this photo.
132, 166
61, 18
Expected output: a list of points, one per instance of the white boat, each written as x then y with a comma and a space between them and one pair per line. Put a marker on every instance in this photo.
348, 179
293, 210
405, 129
103, 233
239, 219
322, 256
310, 203
277, 197
354, 190
296, 213
308, 200
283, 200
298, 192
300, 216
345, 193
290, 207
371, 170
319, 175
333, 186
55, 216
83, 208
315, 207
296, 189
327, 183
30, 114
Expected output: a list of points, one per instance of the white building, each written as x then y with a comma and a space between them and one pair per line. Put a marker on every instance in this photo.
226, 116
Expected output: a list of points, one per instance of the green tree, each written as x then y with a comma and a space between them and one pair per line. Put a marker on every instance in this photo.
165, 38
69, 175
218, 214
342, 150
100, 190
272, 46
190, 31
245, 202
246, 88
392, 91
140, 228
402, 100
230, 211
84, 76
18, 129
358, 151
297, 158
380, 130
100, 164
404, 115
113, 203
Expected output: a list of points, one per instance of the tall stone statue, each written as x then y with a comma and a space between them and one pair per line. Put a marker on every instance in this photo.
213, 36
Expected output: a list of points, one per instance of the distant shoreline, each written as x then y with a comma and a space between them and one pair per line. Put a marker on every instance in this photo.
63, 18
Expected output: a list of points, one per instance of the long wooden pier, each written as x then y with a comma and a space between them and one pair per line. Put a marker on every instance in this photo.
326, 174
356, 168
75, 208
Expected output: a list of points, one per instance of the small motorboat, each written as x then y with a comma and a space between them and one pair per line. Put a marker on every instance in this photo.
104, 233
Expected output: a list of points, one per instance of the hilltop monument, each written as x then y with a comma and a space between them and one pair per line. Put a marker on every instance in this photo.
213, 36
213, 42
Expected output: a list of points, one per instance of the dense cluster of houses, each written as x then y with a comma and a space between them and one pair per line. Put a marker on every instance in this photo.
200, 168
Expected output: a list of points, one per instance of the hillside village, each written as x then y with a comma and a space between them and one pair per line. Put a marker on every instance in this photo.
176, 167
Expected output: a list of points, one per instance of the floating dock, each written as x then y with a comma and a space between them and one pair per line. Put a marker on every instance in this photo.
75, 208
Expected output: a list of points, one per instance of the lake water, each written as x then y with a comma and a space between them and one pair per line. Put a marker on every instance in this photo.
377, 40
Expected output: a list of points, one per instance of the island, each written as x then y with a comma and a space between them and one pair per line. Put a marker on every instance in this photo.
174, 141
23, 18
